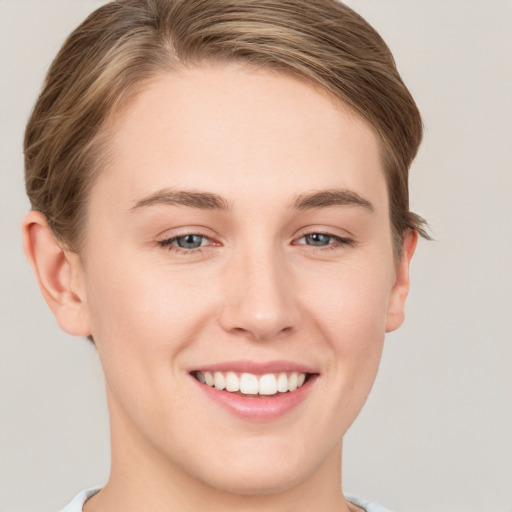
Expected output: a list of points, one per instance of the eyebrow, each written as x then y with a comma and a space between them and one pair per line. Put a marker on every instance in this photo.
210, 201
330, 197
194, 199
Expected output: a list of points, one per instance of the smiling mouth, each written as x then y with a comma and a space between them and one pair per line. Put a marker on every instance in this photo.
252, 385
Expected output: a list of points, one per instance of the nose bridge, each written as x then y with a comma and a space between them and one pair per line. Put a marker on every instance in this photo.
259, 303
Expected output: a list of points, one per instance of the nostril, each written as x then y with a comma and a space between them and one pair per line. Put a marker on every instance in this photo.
260, 333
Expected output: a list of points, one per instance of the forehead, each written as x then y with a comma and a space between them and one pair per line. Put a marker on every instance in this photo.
238, 131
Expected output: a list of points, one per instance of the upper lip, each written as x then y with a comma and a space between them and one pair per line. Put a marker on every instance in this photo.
257, 368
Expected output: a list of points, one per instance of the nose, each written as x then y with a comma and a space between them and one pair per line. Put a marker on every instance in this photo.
259, 301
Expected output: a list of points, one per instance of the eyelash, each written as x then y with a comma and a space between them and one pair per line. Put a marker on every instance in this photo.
168, 244
338, 243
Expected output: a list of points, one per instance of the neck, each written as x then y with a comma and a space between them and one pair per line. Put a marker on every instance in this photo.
142, 478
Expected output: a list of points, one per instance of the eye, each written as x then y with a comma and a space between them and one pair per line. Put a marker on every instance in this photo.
185, 242
190, 241
317, 239
323, 240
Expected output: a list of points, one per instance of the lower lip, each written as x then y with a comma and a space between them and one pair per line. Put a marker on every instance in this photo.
258, 407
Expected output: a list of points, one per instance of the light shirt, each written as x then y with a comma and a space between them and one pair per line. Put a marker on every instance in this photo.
76, 504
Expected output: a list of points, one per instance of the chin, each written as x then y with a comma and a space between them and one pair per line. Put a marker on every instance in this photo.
256, 481
260, 472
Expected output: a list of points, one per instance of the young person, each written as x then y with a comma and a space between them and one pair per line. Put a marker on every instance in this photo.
219, 201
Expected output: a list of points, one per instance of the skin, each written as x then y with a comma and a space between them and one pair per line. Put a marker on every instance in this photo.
255, 290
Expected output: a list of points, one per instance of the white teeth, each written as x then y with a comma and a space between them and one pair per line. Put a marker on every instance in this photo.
208, 377
268, 384
250, 384
282, 383
219, 381
232, 382
292, 382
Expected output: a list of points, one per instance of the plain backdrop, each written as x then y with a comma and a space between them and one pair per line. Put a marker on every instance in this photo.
436, 433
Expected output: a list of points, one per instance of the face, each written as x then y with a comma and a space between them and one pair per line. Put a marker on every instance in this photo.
240, 237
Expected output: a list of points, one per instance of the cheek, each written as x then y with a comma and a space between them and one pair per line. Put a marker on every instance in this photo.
349, 309
143, 321
350, 304
143, 316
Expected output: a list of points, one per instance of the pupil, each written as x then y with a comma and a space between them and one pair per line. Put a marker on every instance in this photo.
318, 239
189, 241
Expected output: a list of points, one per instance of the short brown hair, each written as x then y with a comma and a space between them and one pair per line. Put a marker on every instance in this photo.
126, 43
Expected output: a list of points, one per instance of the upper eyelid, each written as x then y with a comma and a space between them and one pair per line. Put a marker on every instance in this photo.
168, 244
328, 232
185, 231
175, 237
344, 240
324, 233
317, 231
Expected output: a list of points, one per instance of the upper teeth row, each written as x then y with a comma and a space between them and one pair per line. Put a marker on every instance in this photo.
250, 384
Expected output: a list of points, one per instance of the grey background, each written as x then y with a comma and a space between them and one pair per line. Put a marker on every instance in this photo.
436, 434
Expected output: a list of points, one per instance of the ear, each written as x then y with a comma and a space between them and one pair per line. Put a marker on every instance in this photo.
400, 290
59, 274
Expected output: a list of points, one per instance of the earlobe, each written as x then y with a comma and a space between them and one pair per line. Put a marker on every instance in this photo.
58, 273
396, 307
